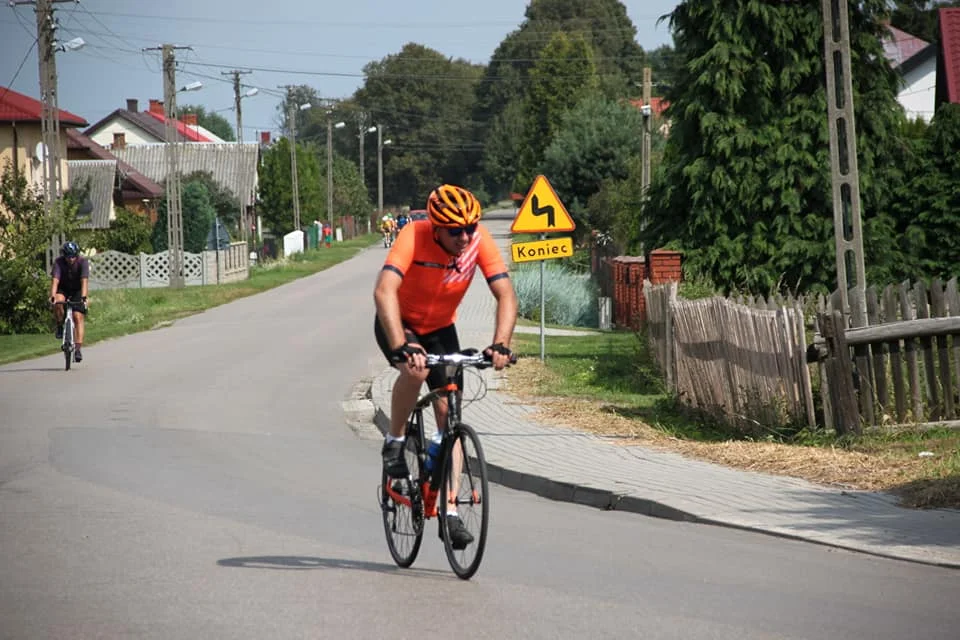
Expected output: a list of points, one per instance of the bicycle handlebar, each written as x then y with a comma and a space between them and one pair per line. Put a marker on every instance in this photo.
468, 358
72, 303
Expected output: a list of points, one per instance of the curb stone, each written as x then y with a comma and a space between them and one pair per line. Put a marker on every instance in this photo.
359, 411
559, 490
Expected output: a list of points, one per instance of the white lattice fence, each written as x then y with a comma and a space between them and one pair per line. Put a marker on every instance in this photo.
116, 270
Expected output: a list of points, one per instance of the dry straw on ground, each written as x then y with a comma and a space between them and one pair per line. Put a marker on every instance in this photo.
881, 471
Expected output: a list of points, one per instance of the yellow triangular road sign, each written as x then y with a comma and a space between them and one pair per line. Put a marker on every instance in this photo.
542, 211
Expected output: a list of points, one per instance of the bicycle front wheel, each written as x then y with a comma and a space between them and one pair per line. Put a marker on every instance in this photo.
465, 489
403, 514
67, 345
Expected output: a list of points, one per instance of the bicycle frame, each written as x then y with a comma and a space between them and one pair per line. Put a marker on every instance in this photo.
429, 485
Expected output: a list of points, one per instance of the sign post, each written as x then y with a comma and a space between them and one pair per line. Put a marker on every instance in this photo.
542, 213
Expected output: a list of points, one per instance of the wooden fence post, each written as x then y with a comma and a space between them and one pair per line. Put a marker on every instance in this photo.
668, 361
839, 370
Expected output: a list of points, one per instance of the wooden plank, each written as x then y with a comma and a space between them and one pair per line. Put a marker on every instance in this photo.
877, 355
840, 375
826, 398
926, 346
667, 309
953, 309
917, 328
864, 372
806, 388
938, 309
910, 354
896, 361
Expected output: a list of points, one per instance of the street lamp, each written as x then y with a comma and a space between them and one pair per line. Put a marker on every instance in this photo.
381, 143
330, 127
293, 162
70, 45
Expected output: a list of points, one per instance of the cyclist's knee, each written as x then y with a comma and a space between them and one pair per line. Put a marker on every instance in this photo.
408, 373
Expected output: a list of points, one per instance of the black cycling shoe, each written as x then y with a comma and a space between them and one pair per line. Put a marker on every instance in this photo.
394, 462
77, 356
459, 536
59, 332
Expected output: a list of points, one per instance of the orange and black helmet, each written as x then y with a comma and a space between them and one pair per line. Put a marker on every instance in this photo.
452, 206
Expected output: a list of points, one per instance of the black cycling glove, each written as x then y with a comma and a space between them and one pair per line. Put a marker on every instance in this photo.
404, 352
502, 350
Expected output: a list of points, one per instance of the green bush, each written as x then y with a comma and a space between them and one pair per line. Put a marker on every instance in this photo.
570, 298
25, 232
129, 233
24, 288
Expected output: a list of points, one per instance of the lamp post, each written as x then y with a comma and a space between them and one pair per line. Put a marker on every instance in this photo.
293, 161
330, 127
381, 143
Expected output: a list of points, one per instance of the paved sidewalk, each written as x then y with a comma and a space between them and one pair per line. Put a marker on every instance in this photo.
561, 463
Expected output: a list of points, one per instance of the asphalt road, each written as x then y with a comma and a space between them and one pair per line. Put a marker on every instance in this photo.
200, 481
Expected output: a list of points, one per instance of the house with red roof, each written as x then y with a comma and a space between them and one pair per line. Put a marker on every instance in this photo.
948, 66
21, 137
131, 127
916, 62
120, 186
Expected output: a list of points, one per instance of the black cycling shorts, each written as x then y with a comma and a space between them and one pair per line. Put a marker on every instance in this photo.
441, 342
74, 296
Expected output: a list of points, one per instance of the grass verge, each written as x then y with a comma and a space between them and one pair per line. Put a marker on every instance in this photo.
607, 384
118, 312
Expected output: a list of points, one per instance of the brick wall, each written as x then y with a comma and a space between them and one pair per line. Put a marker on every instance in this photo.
665, 266
629, 273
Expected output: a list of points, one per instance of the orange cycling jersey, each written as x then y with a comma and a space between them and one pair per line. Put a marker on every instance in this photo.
434, 282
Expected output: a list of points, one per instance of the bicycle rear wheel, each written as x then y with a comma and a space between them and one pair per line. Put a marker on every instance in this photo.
403, 523
465, 468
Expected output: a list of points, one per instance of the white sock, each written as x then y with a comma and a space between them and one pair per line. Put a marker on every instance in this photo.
391, 438
452, 512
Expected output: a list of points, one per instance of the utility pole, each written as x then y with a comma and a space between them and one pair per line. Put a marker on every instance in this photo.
50, 114
845, 174
646, 109
362, 133
292, 123
379, 171
330, 168
172, 140
236, 73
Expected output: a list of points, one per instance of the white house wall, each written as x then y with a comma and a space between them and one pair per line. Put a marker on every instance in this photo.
132, 135
918, 95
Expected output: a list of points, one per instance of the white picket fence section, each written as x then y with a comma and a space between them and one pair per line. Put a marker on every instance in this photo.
116, 270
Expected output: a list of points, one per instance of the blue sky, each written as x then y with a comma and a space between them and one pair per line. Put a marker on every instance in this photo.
330, 40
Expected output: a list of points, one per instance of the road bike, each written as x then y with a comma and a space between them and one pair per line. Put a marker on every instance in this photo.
69, 325
459, 477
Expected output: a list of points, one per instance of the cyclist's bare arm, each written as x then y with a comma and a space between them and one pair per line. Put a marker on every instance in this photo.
386, 298
502, 290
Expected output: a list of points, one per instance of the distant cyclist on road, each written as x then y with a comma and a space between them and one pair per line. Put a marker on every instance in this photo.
402, 221
422, 282
70, 277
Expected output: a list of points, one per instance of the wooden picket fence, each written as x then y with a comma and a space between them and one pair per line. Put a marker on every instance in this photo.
905, 362
742, 361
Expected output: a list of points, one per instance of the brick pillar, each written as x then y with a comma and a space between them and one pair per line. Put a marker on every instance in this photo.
665, 266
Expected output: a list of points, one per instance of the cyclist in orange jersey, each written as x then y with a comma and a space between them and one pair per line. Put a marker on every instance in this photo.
422, 282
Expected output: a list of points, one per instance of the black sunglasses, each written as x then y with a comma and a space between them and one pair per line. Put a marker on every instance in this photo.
455, 232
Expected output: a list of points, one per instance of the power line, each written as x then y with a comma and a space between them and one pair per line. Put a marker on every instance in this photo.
17, 73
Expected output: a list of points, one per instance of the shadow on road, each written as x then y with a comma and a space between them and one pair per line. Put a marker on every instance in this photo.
27, 370
306, 562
